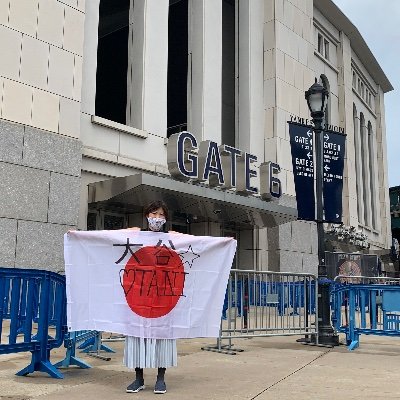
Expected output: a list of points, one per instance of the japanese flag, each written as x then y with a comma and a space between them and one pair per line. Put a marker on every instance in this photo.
146, 284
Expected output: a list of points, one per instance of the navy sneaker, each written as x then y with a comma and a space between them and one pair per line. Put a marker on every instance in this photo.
160, 387
136, 386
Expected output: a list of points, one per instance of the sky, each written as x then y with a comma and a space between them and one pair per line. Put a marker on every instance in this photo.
378, 22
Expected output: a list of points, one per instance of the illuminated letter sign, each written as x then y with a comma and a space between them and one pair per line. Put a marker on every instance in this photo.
210, 163
229, 157
245, 173
179, 167
270, 185
223, 166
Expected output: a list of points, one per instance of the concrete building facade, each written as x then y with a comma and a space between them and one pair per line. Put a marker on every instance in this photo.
92, 90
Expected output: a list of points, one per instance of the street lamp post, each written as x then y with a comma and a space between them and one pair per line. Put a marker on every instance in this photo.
316, 97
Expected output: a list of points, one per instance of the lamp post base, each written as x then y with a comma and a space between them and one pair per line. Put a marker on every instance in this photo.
327, 336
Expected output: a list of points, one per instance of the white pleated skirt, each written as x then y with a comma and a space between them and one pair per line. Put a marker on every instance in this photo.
150, 353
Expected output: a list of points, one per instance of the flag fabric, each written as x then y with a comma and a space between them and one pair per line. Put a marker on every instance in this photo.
146, 284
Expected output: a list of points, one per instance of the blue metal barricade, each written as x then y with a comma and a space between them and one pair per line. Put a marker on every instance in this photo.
31, 301
366, 309
283, 295
267, 303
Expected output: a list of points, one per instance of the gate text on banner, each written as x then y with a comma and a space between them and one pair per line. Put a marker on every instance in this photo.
301, 144
334, 150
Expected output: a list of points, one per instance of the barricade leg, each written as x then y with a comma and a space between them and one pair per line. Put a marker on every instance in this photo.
94, 344
354, 342
42, 364
71, 359
353, 338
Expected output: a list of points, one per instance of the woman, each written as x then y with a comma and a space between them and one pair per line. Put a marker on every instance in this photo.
142, 353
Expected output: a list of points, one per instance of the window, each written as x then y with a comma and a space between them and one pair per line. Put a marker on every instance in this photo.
112, 60
323, 45
320, 44
177, 66
361, 86
368, 97
326, 49
229, 57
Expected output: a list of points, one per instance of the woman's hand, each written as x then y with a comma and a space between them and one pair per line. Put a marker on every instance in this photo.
134, 228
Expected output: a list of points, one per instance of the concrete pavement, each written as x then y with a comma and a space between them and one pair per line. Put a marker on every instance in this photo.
268, 368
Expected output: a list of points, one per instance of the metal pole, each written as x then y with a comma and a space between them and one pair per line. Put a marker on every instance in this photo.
326, 334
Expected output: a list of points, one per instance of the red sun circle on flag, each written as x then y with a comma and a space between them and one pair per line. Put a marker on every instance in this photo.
153, 281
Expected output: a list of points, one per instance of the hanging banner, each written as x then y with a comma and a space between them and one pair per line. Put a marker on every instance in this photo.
301, 144
146, 284
334, 150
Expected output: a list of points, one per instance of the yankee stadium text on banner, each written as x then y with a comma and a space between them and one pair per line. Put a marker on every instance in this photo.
146, 284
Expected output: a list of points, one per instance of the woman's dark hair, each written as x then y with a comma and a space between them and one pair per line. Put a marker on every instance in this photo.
155, 205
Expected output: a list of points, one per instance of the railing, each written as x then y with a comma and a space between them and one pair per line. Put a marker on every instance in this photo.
365, 306
264, 303
176, 129
30, 302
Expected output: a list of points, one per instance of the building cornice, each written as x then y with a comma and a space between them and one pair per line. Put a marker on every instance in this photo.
337, 18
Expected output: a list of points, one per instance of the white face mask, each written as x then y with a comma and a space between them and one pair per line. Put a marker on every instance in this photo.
155, 224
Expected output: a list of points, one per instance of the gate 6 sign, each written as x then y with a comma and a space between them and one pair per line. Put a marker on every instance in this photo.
224, 166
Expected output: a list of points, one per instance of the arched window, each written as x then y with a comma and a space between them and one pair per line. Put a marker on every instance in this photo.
372, 174
358, 165
365, 171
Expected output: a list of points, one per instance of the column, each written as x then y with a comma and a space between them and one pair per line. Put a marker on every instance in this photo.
88, 100
251, 77
147, 66
205, 69
381, 151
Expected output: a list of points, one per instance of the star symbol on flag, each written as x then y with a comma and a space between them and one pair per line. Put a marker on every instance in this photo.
189, 256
